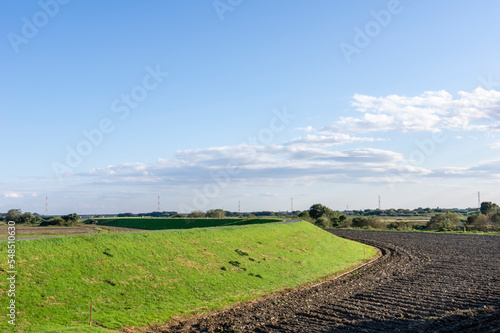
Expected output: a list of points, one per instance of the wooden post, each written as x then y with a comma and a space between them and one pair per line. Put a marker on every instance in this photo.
90, 312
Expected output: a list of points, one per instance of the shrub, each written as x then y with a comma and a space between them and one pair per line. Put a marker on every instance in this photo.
324, 222
53, 221
345, 223
196, 214
495, 220
481, 222
367, 222
403, 225
444, 221
215, 213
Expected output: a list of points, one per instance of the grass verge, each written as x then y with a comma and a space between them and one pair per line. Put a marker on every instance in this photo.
148, 278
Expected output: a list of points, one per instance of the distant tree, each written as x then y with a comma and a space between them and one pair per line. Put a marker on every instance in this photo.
442, 221
29, 218
196, 214
215, 213
304, 215
13, 215
494, 219
126, 215
335, 217
472, 218
232, 214
168, 214
391, 212
54, 221
489, 207
264, 213
70, 219
317, 210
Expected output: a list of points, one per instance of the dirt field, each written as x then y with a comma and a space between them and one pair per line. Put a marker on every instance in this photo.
422, 283
23, 231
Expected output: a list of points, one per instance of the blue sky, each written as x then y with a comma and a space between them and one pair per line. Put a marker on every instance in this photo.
214, 102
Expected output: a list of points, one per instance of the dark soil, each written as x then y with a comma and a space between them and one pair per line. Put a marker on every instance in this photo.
422, 283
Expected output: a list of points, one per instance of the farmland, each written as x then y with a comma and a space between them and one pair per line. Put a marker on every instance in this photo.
177, 223
142, 279
422, 283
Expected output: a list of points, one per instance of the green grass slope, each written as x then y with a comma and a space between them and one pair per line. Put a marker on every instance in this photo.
176, 223
142, 279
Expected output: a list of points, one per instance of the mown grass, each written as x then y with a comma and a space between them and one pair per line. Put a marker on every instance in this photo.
177, 223
147, 278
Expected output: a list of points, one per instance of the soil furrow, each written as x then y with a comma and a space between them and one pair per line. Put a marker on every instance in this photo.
423, 282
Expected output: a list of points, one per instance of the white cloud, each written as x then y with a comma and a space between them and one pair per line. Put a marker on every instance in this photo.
263, 165
484, 170
13, 195
270, 194
495, 145
331, 139
311, 160
432, 111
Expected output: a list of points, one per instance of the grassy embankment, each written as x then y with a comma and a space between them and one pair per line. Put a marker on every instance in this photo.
147, 278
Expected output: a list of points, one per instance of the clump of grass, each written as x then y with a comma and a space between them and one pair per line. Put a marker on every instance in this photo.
241, 252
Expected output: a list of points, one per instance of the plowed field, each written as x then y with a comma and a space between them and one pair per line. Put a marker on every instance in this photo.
422, 283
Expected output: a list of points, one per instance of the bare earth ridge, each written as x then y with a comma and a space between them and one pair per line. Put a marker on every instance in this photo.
422, 283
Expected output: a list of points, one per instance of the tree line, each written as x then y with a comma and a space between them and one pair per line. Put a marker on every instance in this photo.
487, 219
28, 218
